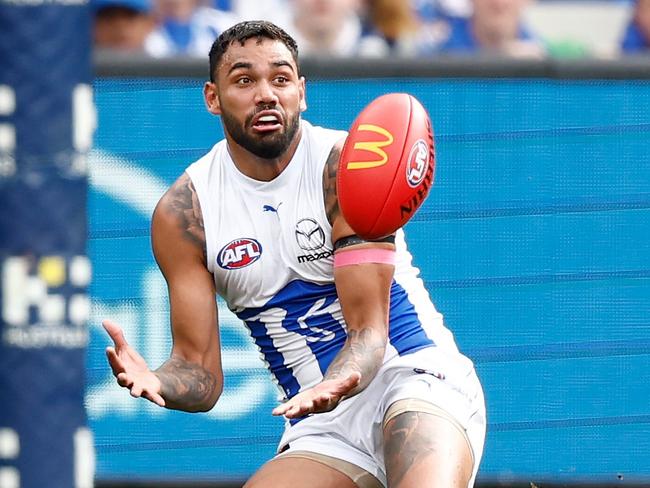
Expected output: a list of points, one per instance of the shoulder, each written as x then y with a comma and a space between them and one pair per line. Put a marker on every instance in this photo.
330, 170
321, 137
203, 165
179, 200
177, 221
325, 145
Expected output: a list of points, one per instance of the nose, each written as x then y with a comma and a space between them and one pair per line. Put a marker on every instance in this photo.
265, 93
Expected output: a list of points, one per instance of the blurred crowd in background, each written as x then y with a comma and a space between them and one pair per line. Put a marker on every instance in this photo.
384, 28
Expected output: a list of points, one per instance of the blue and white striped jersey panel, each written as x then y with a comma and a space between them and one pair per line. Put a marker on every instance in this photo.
270, 251
407, 276
300, 331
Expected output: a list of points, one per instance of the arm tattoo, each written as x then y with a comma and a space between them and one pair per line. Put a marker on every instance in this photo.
185, 203
329, 184
362, 352
185, 385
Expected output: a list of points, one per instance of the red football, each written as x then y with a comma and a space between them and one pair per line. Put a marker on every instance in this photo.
386, 166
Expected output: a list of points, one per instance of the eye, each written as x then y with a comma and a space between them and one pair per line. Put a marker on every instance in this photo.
281, 79
243, 80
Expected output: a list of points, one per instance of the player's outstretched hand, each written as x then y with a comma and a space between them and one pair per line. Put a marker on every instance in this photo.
323, 397
130, 368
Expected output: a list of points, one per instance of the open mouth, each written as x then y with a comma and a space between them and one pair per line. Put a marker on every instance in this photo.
267, 122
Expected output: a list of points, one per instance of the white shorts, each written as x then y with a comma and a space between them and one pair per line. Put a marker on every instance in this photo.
353, 431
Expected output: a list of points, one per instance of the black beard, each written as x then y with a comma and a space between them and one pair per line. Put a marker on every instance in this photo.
267, 147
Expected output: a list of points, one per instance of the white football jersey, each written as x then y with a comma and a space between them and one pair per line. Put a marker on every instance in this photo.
269, 248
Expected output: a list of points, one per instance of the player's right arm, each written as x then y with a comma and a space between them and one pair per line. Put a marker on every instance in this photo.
192, 378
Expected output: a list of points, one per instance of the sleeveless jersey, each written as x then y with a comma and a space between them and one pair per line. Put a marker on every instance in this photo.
269, 248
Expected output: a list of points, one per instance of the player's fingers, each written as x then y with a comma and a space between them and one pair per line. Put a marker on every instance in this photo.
154, 397
136, 391
280, 409
124, 380
306, 406
114, 361
349, 383
327, 400
321, 400
116, 333
296, 411
289, 409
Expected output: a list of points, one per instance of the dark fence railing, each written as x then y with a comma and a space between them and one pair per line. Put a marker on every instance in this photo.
109, 65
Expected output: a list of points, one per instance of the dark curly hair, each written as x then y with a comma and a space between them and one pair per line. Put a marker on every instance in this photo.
243, 31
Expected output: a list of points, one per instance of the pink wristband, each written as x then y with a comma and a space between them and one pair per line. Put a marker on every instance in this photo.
361, 256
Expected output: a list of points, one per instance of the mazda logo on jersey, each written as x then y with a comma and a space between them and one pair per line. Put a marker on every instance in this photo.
309, 234
239, 253
311, 237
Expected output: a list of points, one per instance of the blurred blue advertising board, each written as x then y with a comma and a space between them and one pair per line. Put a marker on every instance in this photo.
533, 243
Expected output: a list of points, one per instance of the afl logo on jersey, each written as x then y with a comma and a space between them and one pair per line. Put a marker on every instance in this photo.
239, 253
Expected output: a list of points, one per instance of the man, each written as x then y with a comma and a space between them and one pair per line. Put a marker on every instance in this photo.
376, 391
186, 27
330, 28
495, 27
122, 25
636, 38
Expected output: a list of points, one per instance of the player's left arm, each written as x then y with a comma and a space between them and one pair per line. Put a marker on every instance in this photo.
364, 293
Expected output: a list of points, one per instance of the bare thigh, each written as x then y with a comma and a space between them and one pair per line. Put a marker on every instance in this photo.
422, 450
298, 473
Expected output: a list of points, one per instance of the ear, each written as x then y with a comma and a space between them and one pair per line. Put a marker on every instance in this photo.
211, 97
303, 99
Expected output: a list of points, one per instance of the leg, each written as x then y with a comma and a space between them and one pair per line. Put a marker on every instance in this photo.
425, 450
299, 472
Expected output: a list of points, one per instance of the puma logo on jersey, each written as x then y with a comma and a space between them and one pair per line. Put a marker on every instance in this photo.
269, 208
239, 253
